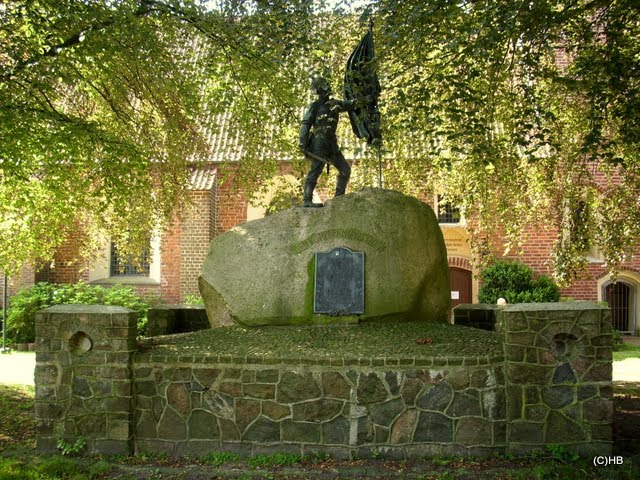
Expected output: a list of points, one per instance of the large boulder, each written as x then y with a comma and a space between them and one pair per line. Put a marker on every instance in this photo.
262, 272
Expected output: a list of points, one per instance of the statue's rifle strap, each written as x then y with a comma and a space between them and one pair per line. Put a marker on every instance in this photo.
316, 157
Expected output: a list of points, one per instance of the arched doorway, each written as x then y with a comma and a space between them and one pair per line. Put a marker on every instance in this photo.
460, 281
622, 299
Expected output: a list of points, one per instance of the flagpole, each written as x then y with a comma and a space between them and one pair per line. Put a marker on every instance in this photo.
379, 146
361, 83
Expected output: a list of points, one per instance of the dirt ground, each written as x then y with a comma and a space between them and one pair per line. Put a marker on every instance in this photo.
632, 340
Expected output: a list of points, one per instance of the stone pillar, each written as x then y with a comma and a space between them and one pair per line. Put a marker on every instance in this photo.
83, 377
558, 376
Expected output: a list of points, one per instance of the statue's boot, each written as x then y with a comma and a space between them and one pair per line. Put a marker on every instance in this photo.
308, 197
341, 185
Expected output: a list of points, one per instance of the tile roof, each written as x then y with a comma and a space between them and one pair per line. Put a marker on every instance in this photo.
203, 177
226, 144
223, 139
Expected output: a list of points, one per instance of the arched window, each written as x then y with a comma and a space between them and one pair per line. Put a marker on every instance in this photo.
126, 266
447, 212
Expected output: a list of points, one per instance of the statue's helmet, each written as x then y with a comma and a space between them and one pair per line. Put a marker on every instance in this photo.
321, 85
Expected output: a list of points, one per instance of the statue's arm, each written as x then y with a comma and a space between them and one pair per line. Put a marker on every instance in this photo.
346, 105
350, 105
305, 127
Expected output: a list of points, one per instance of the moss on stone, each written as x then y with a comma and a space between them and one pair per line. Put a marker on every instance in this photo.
365, 340
308, 296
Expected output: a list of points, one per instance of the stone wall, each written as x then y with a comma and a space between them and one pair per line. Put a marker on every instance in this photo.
83, 376
551, 386
193, 406
558, 376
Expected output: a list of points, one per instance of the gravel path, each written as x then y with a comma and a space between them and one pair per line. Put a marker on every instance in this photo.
627, 370
16, 368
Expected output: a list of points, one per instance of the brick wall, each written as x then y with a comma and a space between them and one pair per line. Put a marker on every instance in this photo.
194, 240
537, 254
460, 262
214, 214
232, 206
68, 266
536, 248
170, 263
185, 245
24, 278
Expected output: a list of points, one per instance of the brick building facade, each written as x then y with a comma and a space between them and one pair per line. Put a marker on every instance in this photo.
594, 284
175, 257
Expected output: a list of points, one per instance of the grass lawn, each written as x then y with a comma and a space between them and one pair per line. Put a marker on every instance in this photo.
20, 461
17, 426
626, 350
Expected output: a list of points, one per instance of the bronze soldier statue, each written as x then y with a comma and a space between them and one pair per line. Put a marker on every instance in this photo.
318, 139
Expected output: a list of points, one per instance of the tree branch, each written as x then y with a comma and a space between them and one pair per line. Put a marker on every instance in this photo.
74, 39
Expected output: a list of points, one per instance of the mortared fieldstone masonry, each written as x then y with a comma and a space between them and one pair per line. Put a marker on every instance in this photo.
83, 376
551, 384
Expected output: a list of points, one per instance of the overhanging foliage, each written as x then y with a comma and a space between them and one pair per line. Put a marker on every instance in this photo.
103, 104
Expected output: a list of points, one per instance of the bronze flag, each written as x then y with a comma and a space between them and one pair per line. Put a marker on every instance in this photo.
361, 84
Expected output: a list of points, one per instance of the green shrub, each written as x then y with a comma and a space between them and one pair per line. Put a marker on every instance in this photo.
516, 283
99, 469
274, 460
616, 340
216, 459
24, 305
71, 448
11, 469
193, 300
562, 453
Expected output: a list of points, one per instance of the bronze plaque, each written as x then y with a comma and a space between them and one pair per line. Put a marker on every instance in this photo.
339, 282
